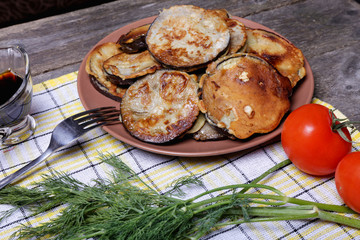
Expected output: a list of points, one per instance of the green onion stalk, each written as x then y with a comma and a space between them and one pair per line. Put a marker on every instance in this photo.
126, 207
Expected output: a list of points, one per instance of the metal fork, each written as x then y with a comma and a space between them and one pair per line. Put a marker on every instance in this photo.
67, 132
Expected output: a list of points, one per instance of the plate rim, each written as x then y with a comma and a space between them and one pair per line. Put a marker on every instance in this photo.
168, 149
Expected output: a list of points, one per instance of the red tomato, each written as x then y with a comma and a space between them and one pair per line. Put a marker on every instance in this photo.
347, 180
309, 141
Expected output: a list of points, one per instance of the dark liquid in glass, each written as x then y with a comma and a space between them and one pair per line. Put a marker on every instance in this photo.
9, 84
14, 111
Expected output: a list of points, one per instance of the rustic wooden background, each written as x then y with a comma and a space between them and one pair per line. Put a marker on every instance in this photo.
328, 33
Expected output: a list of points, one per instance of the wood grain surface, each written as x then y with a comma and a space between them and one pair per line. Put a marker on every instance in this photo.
328, 33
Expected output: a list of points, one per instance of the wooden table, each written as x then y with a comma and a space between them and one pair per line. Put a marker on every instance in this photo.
327, 32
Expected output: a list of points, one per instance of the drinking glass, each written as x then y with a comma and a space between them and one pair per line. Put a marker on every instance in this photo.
16, 125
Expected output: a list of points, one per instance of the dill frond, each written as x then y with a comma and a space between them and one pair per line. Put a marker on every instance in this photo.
175, 188
125, 207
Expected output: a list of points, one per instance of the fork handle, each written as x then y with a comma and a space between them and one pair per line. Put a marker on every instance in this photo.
12, 177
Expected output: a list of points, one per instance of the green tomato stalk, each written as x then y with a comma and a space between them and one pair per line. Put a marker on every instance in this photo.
338, 124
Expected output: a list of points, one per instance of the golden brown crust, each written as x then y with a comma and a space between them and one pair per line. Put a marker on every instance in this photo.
187, 36
98, 56
279, 52
223, 13
130, 66
237, 35
116, 94
242, 94
98, 77
245, 95
161, 106
111, 70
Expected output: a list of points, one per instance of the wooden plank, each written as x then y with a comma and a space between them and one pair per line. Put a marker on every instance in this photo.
328, 33
63, 40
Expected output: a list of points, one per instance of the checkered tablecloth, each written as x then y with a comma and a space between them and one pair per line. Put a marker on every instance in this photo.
58, 98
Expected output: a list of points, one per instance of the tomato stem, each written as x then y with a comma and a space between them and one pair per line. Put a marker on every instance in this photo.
338, 124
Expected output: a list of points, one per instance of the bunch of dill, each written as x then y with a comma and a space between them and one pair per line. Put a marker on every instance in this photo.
125, 207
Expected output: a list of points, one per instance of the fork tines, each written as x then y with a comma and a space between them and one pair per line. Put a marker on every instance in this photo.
97, 117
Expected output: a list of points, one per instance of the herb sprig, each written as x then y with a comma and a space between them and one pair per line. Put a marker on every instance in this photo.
125, 207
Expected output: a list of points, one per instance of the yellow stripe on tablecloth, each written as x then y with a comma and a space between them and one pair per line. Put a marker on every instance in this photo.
279, 154
164, 174
167, 175
47, 120
75, 158
56, 81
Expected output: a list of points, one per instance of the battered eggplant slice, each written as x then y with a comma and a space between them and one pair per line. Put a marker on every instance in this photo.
199, 123
161, 106
237, 35
124, 68
223, 13
98, 77
203, 131
210, 132
245, 95
134, 40
187, 37
279, 52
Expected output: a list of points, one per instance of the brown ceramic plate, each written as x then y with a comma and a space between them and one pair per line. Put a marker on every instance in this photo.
91, 98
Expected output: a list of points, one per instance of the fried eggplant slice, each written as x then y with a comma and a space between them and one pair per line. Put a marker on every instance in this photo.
98, 77
161, 106
279, 52
134, 40
237, 35
210, 132
127, 66
199, 123
187, 37
203, 131
223, 13
244, 95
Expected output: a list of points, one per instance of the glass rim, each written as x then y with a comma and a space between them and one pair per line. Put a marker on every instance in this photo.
24, 83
